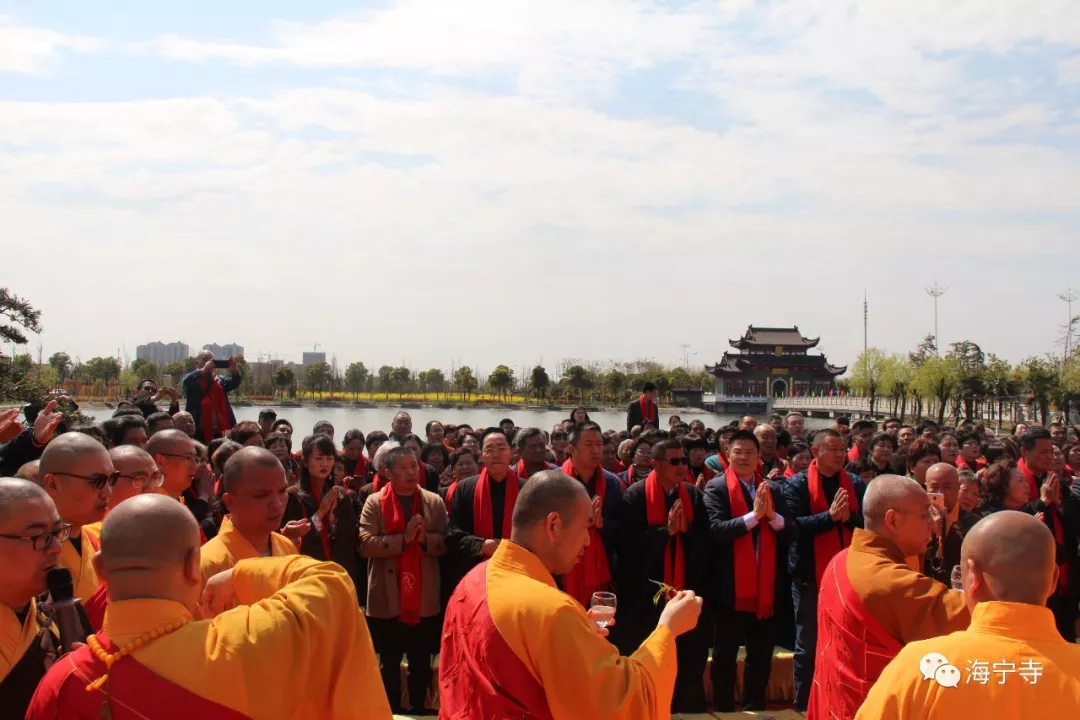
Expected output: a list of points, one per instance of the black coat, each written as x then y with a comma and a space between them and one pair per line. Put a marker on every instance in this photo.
953, 541
809, 525
724, 529
463, 546
633, 415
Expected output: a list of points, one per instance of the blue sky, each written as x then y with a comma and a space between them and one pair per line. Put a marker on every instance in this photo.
508, 181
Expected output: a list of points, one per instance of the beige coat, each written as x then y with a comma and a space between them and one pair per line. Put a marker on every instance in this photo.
383, 600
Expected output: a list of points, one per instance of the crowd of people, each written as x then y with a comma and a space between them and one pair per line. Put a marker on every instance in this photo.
488, 547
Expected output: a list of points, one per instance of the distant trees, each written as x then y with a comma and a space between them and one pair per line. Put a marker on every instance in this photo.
501, 380
356, 375
284, 380
465, 382
539, 382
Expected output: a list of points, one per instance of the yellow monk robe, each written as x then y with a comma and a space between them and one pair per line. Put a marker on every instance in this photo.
1010, 663
230, 547
79, 561
298, 647
15, 636
514, 645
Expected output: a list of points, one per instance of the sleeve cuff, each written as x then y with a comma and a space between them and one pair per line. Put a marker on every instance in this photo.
750, 520
777, 523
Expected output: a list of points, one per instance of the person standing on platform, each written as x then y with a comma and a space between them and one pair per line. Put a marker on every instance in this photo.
294, 644
208, 397
825, 506
1011, 663
643, 410
514, 645
663, 531
748, 531
872, 603
593, 573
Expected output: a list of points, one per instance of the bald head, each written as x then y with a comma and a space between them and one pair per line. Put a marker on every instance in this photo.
1009, 557
126, 456
945, 479
547, 492
149, 547
889, 492
168, 441
29, 471
16, 494
71, 452
245, 463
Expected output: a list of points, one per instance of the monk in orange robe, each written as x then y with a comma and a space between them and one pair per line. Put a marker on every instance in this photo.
294, 644
30, 535
1011, 663
515, 646
256, 491
872, 603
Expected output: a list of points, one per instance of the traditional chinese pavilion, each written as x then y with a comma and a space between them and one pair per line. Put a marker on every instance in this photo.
770, 363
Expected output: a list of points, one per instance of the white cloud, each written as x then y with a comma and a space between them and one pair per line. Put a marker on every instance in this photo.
32, 51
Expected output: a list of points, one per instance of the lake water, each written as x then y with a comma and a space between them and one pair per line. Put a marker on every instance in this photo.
368, 419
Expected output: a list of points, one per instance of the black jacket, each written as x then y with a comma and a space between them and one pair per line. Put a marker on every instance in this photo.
724, 529
808, 525
633, 415
941, 568
463, 546
18, 452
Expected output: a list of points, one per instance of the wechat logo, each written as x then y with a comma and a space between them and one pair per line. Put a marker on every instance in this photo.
936, 667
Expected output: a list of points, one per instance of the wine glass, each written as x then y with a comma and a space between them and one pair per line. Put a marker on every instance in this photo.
603, 608
957, 578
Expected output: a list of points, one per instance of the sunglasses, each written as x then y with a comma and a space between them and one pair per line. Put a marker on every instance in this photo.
676, 461
98, 481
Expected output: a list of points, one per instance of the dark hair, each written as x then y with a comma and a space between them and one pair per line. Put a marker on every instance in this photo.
1031, 436
884, 437
524, 435
996, 451
574, 412
559, 435
996, 482
128, 409
820, 435
947, 433
843, 420
968, 438
375, 436
642, 439
449, 429
860, 466
580, 429
864, 425
155, 417
457, 455
244, 431
320, 426
888, 420
414, 438
648, 387
506, 420
490, 431
139, 385
274, 437
322, 443
797, 448
267, 414
607, 440
427, 427
279, 422
351, 435
659, 450
744, 435
783, 438
434, 449
920, 448
122, 424
394, 453
220, 455
925, 425
215, 444
692, 442
93, 430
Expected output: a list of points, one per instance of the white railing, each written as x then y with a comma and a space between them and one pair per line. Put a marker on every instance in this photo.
713, 398
838, 402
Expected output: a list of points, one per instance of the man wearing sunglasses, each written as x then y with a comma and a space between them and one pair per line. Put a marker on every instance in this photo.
30, 536
78, 474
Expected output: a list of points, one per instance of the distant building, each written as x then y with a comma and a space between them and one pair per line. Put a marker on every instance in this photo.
772, 363
163, 354
310, 358
225, 351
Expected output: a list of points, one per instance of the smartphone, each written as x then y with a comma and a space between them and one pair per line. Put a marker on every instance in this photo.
938, 500
221, 364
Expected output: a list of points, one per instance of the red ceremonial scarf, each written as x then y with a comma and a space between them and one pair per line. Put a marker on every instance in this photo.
722, 459
789, 471
961, 464
592, 573
213, 404
450, 495
755, 573
409, 563
324, 531
828, 543
656, 514
1033, 484
648, 409
483, 522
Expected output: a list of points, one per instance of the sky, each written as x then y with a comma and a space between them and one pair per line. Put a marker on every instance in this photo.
506, 181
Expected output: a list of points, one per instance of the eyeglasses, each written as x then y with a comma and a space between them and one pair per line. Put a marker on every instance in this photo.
191, 459
98, 481
140, 481
675, 461
42, 541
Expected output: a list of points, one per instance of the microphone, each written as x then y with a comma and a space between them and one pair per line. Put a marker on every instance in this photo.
69, 615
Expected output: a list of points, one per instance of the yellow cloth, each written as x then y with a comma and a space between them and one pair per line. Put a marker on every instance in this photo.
1013, 637
15, 637
297, 647
229, 547
79, 564
582, 674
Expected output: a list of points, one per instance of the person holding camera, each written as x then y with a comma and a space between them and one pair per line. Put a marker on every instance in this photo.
208, 396
147, 395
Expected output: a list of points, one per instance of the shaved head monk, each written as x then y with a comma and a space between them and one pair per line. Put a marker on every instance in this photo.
872, 603
294, 644
78, 474
138, 473
31, 533
255, 497
943, 553
175, 455
515, 645
1011, 662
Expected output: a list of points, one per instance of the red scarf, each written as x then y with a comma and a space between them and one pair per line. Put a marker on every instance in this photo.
789, 471
961, 464
324, 531
827, 544
213, 404
722, 459
377, 483
1033, 484
409, 563
450, 496
656, 514
707, 473
755, 573
853, 455
483, 522
648, 410
592, 573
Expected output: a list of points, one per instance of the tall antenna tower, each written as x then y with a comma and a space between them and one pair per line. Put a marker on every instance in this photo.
935, 291
1068, 297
